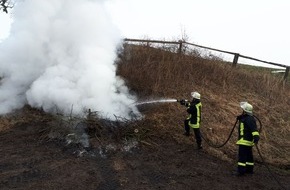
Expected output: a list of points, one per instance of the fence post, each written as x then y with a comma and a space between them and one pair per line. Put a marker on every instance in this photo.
180, 46
286, 73
235, 61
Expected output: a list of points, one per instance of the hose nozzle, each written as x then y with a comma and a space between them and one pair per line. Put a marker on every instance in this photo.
182, 101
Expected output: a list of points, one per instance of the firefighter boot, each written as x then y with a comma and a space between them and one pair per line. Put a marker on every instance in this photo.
249, 169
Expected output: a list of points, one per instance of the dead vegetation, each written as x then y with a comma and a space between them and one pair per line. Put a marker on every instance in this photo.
154, 73
53, 151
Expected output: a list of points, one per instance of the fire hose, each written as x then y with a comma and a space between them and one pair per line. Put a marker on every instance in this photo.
258, 150
268, 168
223, 144
263, 161
230, 135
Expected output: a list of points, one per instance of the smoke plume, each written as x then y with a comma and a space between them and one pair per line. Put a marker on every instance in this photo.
60, 56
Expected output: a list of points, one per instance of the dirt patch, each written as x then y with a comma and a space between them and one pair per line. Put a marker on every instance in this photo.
165, 162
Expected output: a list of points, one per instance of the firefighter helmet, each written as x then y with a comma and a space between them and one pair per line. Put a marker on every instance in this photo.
195, 95
248, 108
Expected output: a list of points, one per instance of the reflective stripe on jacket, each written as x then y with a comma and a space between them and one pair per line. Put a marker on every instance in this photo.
247, 129
194, 110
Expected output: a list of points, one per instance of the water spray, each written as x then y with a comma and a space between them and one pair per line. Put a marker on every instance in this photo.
157, 101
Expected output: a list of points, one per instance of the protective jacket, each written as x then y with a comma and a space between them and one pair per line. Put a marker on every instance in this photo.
248, 132
194, 110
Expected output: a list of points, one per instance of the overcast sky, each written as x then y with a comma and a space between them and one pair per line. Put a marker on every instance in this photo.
256, 28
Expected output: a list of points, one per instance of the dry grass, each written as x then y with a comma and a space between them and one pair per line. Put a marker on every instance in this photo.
25, 115
153, 73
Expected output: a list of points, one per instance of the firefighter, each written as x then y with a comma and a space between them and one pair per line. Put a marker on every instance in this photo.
248, 136
194, 118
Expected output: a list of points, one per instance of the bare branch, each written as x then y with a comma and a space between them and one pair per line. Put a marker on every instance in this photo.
5, 5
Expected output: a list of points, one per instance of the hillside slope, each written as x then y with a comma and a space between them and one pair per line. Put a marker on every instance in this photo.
156, 74
152, 153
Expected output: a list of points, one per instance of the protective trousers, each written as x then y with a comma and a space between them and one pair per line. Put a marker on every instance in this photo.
195, 130
246, 160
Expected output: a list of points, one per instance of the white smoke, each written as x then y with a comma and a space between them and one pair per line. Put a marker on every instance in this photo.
60, 56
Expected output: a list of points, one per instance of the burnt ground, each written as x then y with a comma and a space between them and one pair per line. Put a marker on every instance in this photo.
29, 162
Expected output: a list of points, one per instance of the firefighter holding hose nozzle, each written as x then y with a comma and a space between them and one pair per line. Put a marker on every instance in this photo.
248, 136
194, 118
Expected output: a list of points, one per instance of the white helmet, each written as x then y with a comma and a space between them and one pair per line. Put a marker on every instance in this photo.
195, 95
248, 108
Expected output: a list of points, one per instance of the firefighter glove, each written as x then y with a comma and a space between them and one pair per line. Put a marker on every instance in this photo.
256, 139
182, 102
239, 117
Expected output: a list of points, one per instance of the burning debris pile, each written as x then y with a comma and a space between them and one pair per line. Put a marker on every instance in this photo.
95, 135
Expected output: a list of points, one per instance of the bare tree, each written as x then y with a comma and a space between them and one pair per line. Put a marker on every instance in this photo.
5, 5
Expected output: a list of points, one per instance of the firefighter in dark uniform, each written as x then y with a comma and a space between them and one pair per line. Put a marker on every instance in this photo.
248, 136
194, 118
